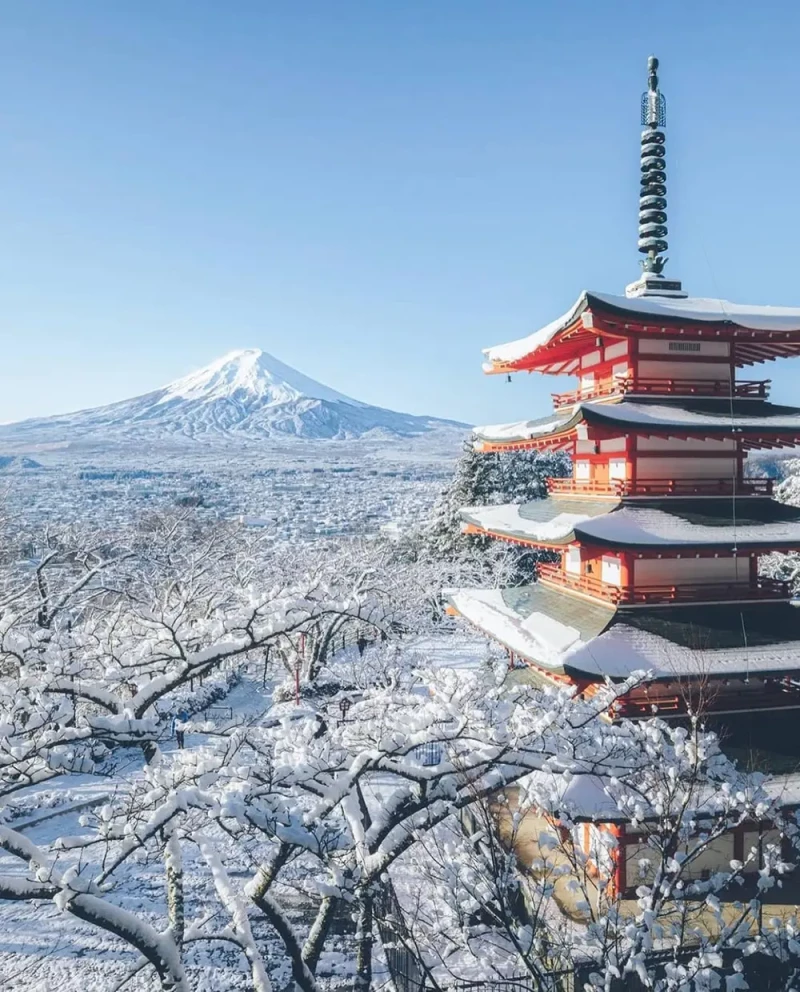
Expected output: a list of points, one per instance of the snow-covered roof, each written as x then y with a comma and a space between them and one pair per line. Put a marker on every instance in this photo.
668, 522
689, 309
535, 635
685, 415
678, 523
587, 797
557, 632
508, 519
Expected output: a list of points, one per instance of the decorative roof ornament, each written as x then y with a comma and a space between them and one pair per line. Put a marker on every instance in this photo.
653, 194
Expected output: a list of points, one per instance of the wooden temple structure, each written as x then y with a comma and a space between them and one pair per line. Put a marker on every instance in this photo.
661, 526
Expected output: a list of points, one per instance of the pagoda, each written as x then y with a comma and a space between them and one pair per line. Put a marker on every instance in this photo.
661, 526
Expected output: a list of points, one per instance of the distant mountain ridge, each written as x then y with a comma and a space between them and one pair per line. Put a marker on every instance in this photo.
246, 394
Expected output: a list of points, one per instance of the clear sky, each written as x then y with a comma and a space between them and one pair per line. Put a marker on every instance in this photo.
372, 190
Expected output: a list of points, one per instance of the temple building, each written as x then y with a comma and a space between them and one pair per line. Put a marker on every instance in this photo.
661, 526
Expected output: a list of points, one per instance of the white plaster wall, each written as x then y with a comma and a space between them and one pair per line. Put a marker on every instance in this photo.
685, 468
684, 444
674, 571
719, 372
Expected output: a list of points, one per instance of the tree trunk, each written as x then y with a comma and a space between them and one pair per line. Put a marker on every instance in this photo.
173, 863
319, 933
303, 978
363, 978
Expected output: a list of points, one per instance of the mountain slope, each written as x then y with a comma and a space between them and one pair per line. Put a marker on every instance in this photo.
246, 394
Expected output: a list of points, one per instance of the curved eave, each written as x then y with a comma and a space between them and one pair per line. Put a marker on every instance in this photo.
562, 636
644, 419
666, 526
759, 334
577, 535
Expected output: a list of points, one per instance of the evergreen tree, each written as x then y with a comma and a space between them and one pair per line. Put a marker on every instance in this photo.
488, 479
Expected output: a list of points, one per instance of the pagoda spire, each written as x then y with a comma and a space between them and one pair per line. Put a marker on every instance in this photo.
653, 194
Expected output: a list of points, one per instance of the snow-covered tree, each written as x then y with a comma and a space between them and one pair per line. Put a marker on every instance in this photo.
393, 778
488, 478
785, 567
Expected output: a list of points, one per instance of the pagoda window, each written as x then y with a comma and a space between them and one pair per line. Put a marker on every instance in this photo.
611, 570
617, 350
613, 444
620, 370
572, 560
592, 358
617, 468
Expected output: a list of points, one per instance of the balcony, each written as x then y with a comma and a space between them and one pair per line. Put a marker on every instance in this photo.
661, 487
633, 385
714, 592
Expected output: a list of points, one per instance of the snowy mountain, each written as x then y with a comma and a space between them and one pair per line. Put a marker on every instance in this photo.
245, 394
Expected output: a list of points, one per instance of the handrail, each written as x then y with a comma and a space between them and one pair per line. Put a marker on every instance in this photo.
743, 389
668, 593
662, 487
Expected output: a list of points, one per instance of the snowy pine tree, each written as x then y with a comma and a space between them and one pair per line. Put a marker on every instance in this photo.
785, 567
485, 479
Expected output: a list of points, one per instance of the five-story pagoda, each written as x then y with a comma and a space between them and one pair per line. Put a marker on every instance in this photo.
661, 526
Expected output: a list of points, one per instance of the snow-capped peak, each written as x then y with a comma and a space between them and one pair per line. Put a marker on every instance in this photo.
250, 373
246, 394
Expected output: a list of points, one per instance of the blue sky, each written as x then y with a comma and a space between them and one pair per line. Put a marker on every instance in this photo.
370, 190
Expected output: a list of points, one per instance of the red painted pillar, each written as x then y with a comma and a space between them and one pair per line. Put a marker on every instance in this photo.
626, 572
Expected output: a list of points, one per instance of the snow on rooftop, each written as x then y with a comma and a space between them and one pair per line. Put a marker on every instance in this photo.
588, 796
643, 413
520, 430
616, 653
536, 637
640, 414
638, 524
641, 525
757, 318
622, 650
506, 519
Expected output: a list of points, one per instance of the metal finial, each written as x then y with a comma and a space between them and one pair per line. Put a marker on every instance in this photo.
652, 196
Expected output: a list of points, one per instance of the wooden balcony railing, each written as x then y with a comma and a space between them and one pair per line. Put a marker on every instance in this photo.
661, 487
700, 592
620, 385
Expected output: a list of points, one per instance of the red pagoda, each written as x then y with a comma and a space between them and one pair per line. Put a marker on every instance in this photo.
660, 529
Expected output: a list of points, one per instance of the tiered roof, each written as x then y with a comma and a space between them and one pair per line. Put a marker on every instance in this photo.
758, 333
669, 522
568, 636
756, 422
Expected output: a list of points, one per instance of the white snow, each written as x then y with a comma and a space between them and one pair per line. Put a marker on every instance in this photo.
627, 412
641, 413
618, 652
506, 519
637, 525
521, 429
252, 372
538, 637
623, 649
646, 526
757, 318
247, 394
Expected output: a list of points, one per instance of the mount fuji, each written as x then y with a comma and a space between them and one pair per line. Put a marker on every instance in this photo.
247, 395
